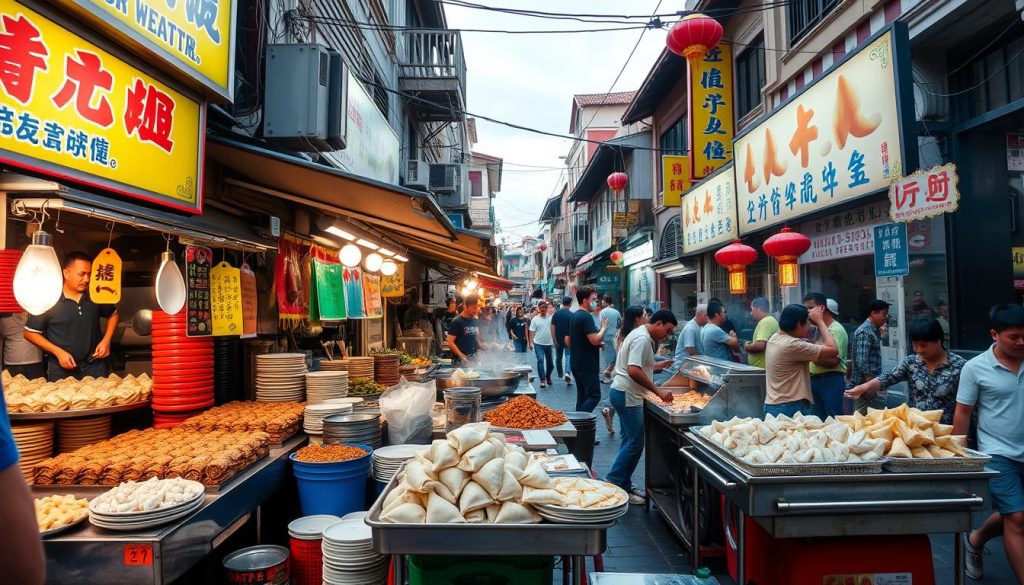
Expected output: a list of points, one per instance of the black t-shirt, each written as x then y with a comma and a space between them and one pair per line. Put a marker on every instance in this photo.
467, 334
583, 355
562, 320
518, 327
446, 321
72, 326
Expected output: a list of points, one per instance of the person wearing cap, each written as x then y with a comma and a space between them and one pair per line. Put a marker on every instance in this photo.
561, 323
766, 327
828, 375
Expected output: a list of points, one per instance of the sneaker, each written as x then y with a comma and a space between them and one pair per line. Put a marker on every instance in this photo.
542, 384
637, 500
972, 559
638, 492
568, 379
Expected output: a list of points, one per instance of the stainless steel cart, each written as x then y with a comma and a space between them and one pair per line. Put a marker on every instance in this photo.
841, 505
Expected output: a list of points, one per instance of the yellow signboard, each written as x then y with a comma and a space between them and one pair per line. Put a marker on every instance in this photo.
838, 140
711, 111
226, 300
709, 213
75, 111
105, 282
675, 177
194, 36
394, 285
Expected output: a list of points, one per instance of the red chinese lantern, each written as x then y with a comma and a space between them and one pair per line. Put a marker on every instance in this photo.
618, 181
616, 257
693, 36
786, 246
735, 258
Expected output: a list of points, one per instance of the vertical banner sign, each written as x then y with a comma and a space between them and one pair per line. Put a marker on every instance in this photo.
891, 253
330, 291
709, 213
198, 261
247, 282
105, 283
72, 109
353, 284
226, 300
675, 179
371, 296
835, 142
711, 111
394, 285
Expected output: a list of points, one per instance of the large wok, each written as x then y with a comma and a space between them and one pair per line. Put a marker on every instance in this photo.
491, 384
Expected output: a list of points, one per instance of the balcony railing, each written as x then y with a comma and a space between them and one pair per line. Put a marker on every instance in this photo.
432, 65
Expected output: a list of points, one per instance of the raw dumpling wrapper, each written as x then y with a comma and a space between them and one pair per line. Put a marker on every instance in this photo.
510, 488
516, 460
513, 513
441, 511
406, 514
535, 476
477, 457
473, 497
492, 512
490, 476
418, 474
436, 487
476, 517
454, 479
533, 495
468, 436
443, 455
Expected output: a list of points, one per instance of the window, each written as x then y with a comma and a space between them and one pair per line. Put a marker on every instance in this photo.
476, 183
992, 79
803, 15
674, 140
671, 245
749, 77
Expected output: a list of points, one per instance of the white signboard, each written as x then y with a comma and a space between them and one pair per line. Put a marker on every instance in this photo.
838, 140
709, 213
372, 147
843, 235
925, 194
644, 251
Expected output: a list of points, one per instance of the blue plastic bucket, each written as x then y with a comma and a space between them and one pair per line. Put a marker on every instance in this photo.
333, 488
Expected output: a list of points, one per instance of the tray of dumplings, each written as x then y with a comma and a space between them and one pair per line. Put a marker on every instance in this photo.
791, 446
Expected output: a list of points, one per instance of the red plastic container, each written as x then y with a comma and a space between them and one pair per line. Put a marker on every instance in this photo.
307, 561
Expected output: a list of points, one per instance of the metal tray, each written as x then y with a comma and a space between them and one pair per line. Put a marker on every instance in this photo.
84, 412
483, 539
975, 461
790, 469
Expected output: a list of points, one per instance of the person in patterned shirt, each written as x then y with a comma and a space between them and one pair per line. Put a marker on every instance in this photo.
866, 354
932, 372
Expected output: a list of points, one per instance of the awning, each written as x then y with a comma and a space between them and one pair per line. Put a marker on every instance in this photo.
674, 268
412, 218
607, 157
495, 282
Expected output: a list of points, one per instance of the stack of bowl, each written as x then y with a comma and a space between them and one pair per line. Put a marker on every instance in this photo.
362, 428
8, 264
182, 371
227, 369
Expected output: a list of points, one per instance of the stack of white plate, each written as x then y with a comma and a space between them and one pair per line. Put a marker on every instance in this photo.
75, 433
349, 558
35, 444
131, 521
313, 418
321, 386
311, 527
280, 377
386, 460
577, 515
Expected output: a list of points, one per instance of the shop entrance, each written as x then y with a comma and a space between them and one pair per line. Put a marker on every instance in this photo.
850, 281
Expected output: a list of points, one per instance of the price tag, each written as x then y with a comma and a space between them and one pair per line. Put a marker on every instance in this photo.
138, 555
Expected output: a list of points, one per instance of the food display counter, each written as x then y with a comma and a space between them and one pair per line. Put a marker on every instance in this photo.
821, 505
730, 389
163, 554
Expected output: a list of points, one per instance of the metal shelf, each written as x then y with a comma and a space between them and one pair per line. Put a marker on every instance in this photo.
81, 413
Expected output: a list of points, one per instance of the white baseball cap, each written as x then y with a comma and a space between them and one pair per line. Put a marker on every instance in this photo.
833, 306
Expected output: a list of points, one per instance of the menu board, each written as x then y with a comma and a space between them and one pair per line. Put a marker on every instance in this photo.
329, 291
371, 296
247, 281
198, 260
226, 300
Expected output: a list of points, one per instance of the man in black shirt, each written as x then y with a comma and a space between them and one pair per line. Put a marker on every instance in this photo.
450, 313
561, 323
70, 331
464, 331
585, 341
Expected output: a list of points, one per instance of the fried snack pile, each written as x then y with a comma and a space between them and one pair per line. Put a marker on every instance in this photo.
54, 512
38, 395
523, 412
328, 453
280, 420
909, 432
210, 457
681, 402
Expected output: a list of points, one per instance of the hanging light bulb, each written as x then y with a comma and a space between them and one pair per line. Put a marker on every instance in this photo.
388, 267
373, 262
170, 284
38, 281
350, 255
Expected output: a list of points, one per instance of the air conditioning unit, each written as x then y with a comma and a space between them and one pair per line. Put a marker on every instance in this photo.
444, 178
417, 174
304, 102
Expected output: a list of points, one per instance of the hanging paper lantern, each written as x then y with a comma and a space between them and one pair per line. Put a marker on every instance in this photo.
617, 181
693, 36
543, 247
617, 258
735, 258
388, 267
373, 262
38, 281
350, 255
786, 246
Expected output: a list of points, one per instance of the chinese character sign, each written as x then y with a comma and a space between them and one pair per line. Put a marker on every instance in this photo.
925, 194
371, 296
194, 36
892, 256
711, 122
226, 300
250, 311
675, 177
105, 283
72, 109
394, 285
709, 213
838, 140
329, 291
199, 302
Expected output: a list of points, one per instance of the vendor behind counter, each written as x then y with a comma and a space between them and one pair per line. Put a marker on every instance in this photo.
69, 332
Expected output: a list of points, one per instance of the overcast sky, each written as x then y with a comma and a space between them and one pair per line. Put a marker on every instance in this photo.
530, 80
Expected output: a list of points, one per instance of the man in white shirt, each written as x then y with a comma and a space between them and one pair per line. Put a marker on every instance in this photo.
542, 344
634, 371
611, 316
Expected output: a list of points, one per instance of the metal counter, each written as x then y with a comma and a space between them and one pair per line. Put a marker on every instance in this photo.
87, 554
842, 505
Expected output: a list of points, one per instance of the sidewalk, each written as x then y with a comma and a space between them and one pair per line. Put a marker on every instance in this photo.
641, 542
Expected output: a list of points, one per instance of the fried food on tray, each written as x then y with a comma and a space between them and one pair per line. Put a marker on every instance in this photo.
681, 402
909, 432
280, 420
38, 395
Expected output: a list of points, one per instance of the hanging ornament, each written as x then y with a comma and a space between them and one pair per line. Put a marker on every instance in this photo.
786, 246
105, 283
350, 255
693, 36
617, 258
170, 285
543, 247
38, 279
735, 258
617, 181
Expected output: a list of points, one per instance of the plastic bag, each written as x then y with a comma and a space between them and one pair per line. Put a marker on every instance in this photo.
407, 408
